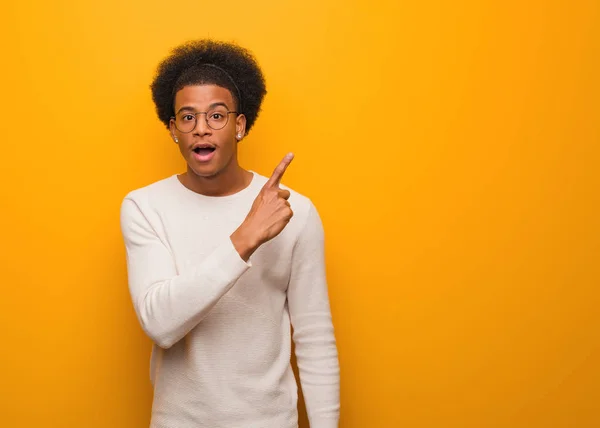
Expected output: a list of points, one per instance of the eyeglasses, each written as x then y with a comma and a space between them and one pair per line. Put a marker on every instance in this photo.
216, 119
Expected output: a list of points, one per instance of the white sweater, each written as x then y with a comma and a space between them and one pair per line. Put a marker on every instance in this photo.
221, 326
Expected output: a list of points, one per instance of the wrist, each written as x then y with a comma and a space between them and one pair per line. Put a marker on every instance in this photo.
244, 243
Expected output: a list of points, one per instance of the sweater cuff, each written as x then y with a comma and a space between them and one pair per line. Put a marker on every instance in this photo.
229, 260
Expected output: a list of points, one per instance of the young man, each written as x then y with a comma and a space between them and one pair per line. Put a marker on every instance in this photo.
219, 265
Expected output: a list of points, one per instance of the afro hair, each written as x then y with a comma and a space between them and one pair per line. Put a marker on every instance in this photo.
210, 62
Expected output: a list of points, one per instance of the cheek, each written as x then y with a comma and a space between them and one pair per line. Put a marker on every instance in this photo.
181, 147
228, 140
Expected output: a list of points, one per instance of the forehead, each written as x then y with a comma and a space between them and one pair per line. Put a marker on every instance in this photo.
201, 96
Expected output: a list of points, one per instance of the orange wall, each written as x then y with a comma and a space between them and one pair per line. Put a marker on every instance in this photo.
452, 149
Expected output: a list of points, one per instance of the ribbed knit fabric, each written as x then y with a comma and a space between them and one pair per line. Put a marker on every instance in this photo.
221, 326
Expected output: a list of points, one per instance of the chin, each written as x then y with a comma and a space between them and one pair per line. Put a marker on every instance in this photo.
206, 170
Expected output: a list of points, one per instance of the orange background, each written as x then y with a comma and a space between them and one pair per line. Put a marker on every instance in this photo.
452, 149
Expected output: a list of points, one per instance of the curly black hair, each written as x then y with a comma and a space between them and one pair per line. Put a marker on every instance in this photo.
210, 62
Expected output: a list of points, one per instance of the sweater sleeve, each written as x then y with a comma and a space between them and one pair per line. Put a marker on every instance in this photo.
169, 304
310, 314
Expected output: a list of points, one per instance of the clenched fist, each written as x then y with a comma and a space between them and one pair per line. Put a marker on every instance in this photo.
269, 214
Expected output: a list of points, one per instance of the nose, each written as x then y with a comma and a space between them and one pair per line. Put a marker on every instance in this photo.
202, 127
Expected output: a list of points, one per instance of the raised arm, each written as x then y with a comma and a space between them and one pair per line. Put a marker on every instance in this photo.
168, 305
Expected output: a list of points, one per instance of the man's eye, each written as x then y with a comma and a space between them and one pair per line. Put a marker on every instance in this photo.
188, 117
216, 116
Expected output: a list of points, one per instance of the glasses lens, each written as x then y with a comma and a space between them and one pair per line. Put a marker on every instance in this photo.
185, 122
217, 118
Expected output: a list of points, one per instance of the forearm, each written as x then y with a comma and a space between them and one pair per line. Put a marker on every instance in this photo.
169, 308
170, 302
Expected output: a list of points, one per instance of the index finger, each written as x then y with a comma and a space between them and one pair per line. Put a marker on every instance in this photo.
279, 170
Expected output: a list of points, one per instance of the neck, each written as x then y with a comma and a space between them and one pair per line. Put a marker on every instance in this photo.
227, 182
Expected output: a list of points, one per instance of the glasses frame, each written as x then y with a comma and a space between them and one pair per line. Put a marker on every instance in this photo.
205, 113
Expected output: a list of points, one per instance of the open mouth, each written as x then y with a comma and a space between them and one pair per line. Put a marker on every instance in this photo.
204, 151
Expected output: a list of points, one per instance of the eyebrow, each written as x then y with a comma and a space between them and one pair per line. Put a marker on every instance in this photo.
213, 105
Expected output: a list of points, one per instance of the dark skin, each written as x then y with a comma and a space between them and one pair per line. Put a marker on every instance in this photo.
222, 175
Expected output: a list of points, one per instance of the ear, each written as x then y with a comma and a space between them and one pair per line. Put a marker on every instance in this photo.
240, 126
172, 130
